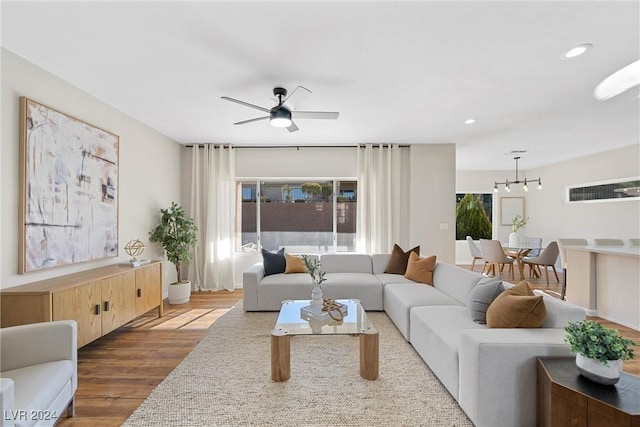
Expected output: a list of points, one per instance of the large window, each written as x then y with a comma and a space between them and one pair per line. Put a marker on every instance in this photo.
310, 216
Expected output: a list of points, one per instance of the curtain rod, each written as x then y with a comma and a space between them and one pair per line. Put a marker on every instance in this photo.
298, 147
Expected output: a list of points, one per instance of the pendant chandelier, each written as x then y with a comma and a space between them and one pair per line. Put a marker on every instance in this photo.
507, 184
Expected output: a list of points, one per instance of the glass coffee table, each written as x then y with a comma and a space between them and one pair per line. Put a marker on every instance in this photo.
290, 323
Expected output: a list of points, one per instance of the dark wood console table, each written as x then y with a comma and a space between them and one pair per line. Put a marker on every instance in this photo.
566, 398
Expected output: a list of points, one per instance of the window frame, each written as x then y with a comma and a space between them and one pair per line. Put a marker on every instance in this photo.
297, 180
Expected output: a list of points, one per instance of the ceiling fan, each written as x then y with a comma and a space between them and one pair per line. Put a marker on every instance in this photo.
282, 115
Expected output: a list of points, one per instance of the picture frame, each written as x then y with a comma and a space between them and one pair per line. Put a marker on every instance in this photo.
509, 208
69, 189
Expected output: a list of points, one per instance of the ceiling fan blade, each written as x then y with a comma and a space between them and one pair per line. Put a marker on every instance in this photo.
237, 101
251, 120
292, 127
296, 97
314, 115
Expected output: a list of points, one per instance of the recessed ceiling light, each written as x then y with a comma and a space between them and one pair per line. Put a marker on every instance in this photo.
576, 51
469, 121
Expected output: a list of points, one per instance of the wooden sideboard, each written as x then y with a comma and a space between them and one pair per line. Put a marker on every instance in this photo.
99, 300
566, 398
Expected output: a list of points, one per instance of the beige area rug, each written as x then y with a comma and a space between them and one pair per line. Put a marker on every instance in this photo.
226, 381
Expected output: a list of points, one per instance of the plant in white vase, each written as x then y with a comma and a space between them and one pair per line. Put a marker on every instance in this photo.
177, 234
317, 277
600, 351
517, 225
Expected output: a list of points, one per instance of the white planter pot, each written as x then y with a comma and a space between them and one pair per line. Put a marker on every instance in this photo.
597, 372
514, 240
180, 293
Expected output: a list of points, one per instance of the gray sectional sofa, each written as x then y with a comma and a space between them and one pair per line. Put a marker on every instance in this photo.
490, 372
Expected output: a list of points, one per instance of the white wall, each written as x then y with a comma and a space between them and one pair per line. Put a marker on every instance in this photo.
149, 170
550, 217
433, 202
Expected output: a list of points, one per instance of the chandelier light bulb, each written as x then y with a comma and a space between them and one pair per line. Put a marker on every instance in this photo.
495, 187
524, 187
539, 184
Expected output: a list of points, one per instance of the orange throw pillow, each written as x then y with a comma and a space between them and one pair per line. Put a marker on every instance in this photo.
398, 260
294, 264
420, 269
517, 307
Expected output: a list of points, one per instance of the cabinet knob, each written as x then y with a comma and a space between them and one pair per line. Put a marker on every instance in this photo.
139, 292
97, 309
106, 306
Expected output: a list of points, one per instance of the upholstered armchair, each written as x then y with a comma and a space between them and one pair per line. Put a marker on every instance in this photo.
39, 372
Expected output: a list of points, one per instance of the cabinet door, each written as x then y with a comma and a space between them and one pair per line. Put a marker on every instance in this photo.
82, 304
148, 288
118, 301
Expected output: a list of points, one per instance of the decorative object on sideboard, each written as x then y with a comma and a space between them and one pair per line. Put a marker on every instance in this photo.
69, 190
134, 248
599, 350
177, 234
507, 184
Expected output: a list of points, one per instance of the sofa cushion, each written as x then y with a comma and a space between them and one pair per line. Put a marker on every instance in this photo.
398, 260
346, 263
294, 264
455, 281
274, 263
380, 262
420, 269
362, 286
399, 298
435, 335
481, 297
37, 386
517, 307
386, 278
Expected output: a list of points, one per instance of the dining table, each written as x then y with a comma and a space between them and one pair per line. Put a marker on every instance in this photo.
519, 253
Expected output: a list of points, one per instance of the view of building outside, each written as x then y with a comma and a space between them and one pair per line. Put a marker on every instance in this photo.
303, 217
473, 216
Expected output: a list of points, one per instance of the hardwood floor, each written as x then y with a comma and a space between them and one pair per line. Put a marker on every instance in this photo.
118, 371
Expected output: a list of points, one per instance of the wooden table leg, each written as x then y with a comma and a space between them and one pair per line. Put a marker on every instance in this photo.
369, 354
280, 356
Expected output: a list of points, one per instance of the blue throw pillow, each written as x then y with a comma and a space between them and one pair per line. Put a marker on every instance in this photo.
273, 263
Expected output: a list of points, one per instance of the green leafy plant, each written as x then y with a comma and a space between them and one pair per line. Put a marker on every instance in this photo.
177, 235
472, 219
594, 341
518, 222
313, 268
312, 189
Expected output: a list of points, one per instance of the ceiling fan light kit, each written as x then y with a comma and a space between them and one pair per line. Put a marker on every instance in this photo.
507, 184
282, 115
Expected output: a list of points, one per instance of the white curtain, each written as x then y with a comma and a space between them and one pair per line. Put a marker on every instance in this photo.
213, 209
381, 177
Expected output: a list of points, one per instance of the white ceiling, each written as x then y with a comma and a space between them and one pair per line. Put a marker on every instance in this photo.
403, 72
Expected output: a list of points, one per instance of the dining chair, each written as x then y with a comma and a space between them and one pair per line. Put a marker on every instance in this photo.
476, 253
634, 242
563, 259
494, 256
608, 242
546, 259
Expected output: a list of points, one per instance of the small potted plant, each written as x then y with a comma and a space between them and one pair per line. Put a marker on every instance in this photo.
517, 223
177, 235
600, 351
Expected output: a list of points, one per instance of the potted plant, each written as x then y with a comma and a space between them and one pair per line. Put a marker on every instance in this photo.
518, 223
177, 235
600, 351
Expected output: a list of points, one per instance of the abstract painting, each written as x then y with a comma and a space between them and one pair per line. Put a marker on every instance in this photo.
69, 177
